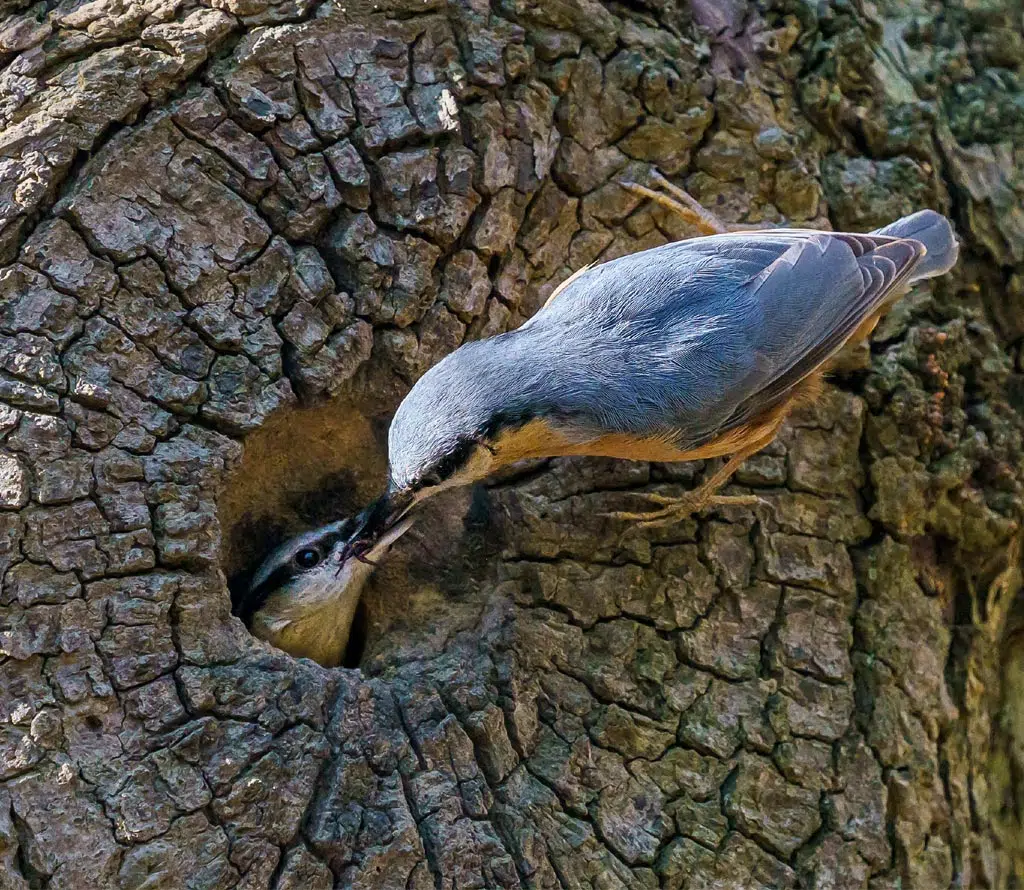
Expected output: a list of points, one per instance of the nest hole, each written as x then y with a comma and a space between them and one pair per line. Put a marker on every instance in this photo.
309, 466
357, 638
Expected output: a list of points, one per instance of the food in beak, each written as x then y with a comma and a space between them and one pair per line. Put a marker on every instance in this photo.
376, 523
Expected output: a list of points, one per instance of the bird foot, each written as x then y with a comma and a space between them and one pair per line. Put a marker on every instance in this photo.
676, 509
679, 201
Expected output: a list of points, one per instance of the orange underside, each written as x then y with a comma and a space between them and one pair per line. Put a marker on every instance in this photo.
540, 439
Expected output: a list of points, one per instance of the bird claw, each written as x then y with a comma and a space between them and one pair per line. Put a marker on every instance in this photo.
678, 201
677, 509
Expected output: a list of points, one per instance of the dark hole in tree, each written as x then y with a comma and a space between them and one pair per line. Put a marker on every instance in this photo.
357, 638
310, 466
302, 469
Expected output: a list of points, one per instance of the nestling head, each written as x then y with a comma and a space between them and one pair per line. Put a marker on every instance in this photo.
304, 595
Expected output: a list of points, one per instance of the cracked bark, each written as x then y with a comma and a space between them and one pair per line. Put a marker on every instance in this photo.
234, 236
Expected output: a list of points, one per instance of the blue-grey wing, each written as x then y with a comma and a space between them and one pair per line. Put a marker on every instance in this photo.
814, 297
698, 337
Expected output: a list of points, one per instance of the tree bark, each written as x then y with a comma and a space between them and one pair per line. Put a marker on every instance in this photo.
234, 234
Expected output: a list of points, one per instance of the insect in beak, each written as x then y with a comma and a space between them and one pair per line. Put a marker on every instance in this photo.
376, 523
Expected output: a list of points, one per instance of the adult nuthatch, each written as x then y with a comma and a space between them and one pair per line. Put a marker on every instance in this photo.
695, 349
303, 597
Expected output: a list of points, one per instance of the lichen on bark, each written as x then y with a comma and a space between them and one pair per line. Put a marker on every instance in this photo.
234, 234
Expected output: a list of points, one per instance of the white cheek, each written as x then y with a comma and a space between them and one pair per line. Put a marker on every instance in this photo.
324, 585
334, 582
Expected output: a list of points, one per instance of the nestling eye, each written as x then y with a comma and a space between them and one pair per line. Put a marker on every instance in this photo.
308, 558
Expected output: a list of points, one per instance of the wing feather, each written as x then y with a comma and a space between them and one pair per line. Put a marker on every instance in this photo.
862, 272
692, 339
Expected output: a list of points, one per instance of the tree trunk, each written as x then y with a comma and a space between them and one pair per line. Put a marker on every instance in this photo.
236, 233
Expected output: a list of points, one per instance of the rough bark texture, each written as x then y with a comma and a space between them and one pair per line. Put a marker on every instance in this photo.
235, 233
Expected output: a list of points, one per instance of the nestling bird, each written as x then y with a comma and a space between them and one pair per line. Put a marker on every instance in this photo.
303, 597
695, 349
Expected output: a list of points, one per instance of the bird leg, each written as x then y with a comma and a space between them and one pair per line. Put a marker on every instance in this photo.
688, 207
677, 508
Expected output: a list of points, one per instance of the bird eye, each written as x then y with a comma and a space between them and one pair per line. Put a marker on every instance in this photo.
307, 559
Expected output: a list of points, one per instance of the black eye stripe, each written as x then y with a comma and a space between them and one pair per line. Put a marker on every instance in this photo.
459, 456
249, 604
448, 466
507, 420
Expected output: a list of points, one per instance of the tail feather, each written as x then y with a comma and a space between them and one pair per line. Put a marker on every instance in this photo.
934, 231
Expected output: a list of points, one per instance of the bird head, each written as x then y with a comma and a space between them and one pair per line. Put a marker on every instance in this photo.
304, 595
475, 411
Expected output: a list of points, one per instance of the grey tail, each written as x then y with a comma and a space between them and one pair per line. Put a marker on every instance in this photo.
934, 231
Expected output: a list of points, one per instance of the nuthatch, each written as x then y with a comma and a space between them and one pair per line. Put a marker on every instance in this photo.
695, 349
303, 597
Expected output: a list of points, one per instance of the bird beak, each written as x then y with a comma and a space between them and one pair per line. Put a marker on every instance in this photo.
377, 520
389, 537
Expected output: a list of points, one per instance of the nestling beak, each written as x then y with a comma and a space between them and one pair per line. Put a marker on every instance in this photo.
377, 520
